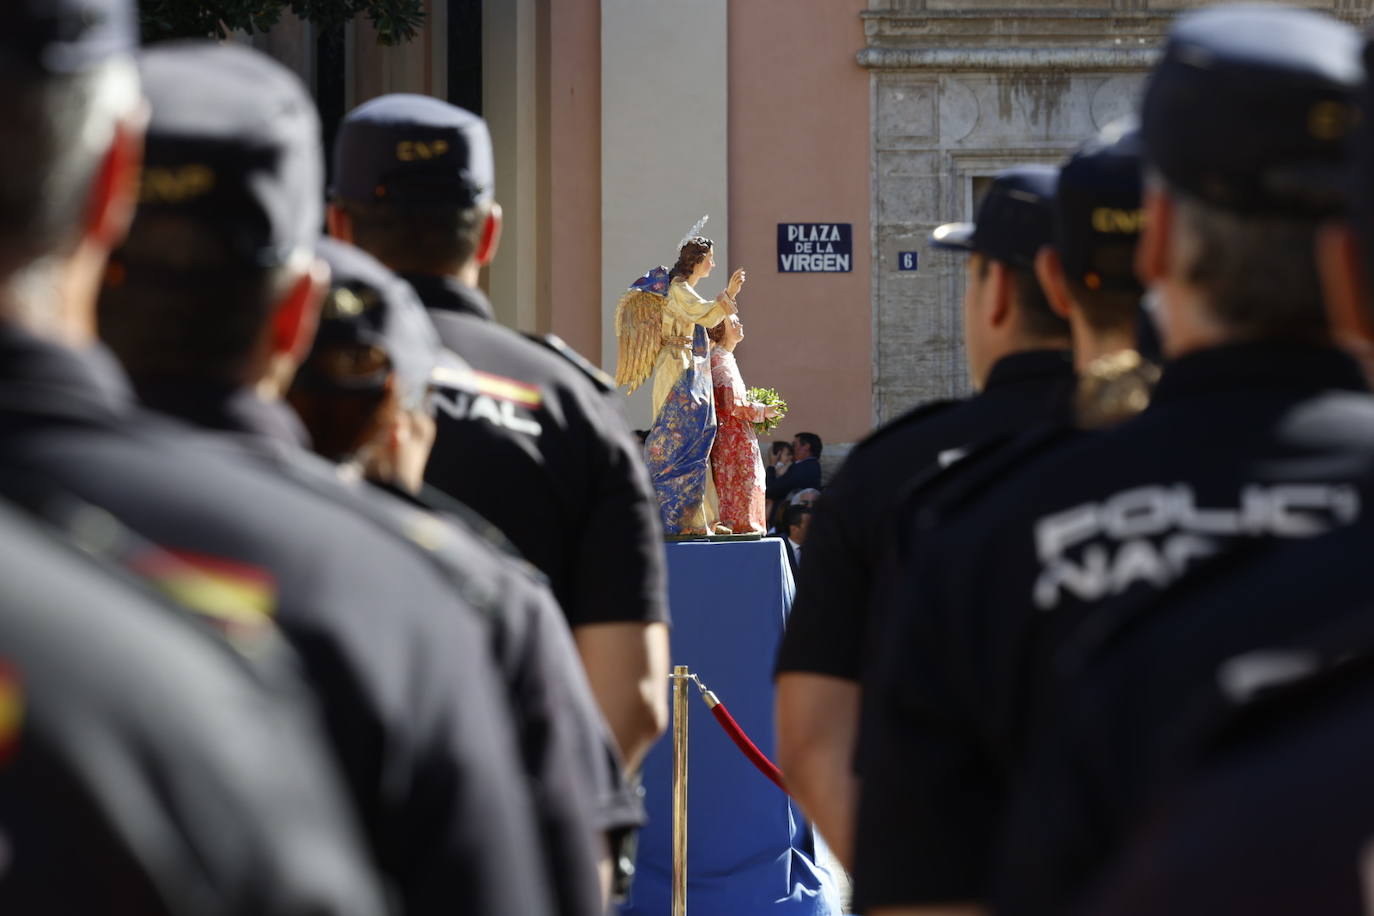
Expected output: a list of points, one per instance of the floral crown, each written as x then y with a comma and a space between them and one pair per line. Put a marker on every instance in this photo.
695, 231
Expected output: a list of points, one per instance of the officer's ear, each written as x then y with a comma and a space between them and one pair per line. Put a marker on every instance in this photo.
298, 312
1345, 289
339, 223
1153, 250
1049, 270
1001, 292
490, 239
114, 192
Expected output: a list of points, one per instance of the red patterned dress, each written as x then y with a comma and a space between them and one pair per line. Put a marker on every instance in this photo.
735, 460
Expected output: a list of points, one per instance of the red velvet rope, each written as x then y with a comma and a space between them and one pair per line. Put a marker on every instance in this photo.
750, 749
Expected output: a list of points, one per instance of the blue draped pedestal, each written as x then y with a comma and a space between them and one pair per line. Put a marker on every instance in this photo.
748, 849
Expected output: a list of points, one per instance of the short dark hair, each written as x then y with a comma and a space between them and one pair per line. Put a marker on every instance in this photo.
47, 170
175, 303
1106, 310
812, 440
777, 446
423, 240
1037, 319
792, 517
341, 421
1258, 273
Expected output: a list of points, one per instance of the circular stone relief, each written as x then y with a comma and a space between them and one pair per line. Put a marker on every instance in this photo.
1116, 98
958, 110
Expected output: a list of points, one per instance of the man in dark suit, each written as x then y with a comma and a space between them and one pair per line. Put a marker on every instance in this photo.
795, 522
805, 471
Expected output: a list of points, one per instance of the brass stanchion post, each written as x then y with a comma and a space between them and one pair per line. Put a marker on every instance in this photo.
680, 685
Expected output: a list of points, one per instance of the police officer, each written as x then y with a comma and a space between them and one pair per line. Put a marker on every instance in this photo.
1250, 700
1088, 275
366, 389
539, 449
1259, 430
1277, 821
147, 768
1018, 352
412, 702
1152, 707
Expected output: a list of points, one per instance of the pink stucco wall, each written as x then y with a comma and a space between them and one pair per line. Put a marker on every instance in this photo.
799, 152
574, 157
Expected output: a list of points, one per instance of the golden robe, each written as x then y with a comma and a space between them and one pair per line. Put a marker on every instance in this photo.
683, 309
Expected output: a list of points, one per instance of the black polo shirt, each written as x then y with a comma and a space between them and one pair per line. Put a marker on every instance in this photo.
145, 767
851, 530
223, 407
1133, 696
1240, 444
543, 453
415, 708
1277, 817
566, 747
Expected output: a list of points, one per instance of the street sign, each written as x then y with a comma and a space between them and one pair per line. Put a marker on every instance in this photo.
815, 248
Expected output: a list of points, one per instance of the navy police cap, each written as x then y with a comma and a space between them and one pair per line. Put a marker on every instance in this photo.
1014, 219
413, 150
1098, 212
369, 306
233, 146
1250, 106
62, 37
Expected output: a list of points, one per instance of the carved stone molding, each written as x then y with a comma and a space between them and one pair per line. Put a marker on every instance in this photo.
961, 89
992, 60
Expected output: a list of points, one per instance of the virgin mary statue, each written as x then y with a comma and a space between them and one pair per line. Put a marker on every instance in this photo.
661, 323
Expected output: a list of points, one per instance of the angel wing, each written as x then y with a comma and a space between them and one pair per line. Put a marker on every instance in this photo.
638, 327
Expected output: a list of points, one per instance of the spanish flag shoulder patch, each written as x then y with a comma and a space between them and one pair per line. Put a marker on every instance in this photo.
230, 592
508, 389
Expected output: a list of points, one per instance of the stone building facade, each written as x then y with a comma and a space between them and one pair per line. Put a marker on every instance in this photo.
618, 122
961, 89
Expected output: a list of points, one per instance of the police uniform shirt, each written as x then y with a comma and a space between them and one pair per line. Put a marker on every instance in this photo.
1240, 442
570, 754
400, 661
851, 528
544, 455
1278, 819
145, 768
561, 733
221, 406
1132, 693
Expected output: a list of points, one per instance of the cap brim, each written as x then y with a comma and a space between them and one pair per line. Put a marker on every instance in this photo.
953, 236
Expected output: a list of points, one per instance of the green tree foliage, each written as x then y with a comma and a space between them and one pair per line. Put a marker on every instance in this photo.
396, 21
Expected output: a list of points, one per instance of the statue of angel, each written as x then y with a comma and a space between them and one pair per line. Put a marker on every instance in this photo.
661, 324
